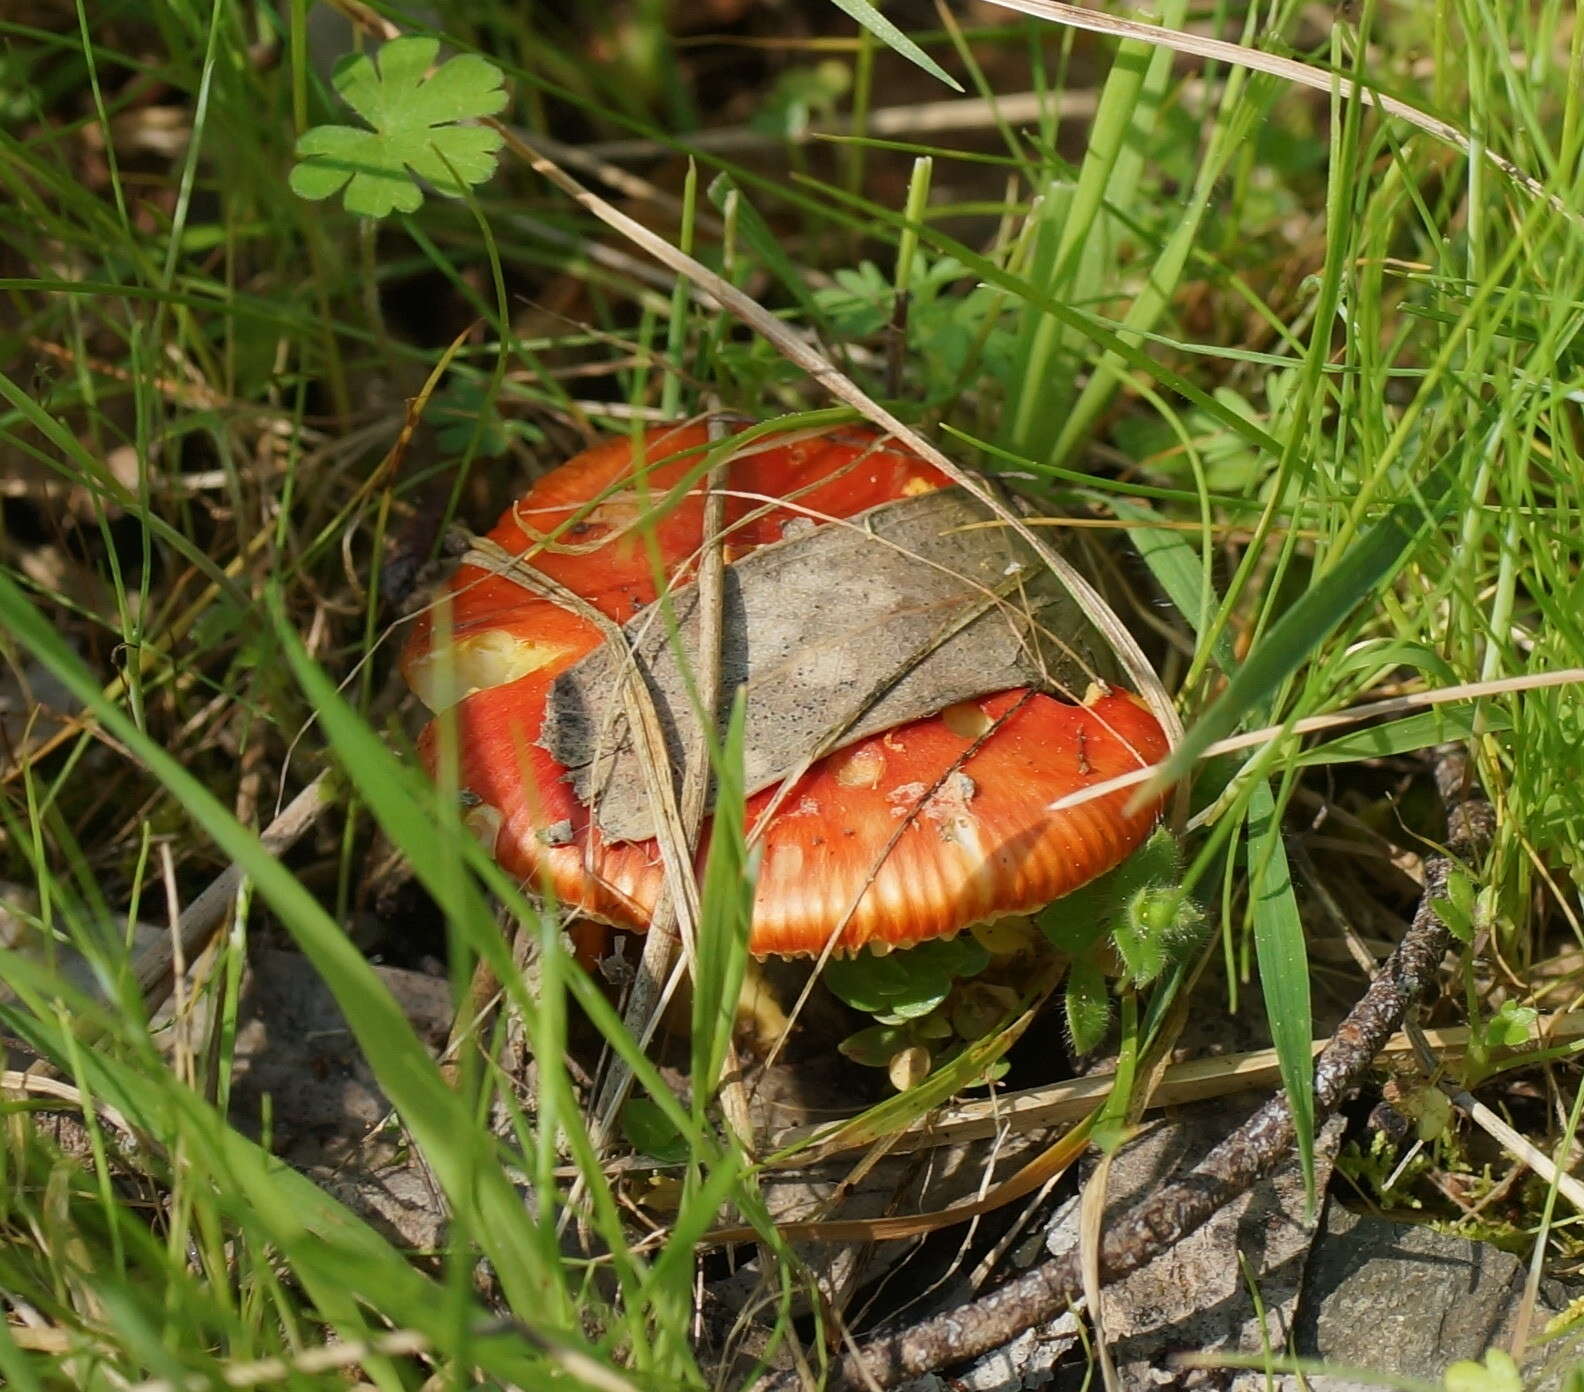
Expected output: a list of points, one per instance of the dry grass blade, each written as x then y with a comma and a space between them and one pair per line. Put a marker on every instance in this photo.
1289, 69
1064, 1103
730, 298
1091, 1219
494, 559
1370, 710
1051, 1163
639, 190
398, 1343
154, 968
33, 1084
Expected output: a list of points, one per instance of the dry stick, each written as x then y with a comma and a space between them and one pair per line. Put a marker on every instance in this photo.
1252, 1151
154, 967
911, 121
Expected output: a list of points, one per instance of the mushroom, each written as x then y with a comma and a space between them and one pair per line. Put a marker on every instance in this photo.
904, 835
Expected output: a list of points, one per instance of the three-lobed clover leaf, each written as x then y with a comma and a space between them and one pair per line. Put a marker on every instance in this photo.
414, 129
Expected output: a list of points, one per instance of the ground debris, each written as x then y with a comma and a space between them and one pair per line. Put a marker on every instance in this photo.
328, 1116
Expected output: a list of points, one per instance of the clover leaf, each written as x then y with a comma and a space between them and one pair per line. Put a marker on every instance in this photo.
414, 129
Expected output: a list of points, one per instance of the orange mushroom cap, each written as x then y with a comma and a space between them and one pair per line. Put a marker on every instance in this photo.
904, 836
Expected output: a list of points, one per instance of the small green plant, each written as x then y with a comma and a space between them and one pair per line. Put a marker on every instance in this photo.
1510, 1027
1132, 922
928, 1001
415, 116
903, 986
1379, 1168
947, 324
802, 96
649, 1131
1131, 925
1498, 1373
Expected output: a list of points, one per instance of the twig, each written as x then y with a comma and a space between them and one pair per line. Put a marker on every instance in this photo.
198, 923
1252, 1151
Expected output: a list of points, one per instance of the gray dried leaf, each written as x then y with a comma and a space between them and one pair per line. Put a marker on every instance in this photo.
835, 634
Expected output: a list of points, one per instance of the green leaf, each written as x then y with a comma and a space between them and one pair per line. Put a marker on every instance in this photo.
894, 39
874, 1046
1143, 952
414, 130
1283, 969
904, 985
1157, 924
1456, 910
1511, 1027
1498, 1373
1439, 726
1088, 1005
651, 1132
930, 993
1076, 921
1302, 628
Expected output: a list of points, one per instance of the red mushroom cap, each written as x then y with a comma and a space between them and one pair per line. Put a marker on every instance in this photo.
904, 836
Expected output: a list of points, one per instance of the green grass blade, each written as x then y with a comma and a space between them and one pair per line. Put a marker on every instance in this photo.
1180, 571
1295, 636
1283, 969
464, 1161
894, 39
726, 909
1463, 720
